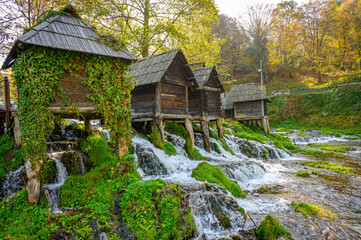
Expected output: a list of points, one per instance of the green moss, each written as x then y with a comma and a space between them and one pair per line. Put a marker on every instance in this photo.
73, 163
131, 149
282, 129
78, 129
270, 229
309, 209
302, 134
329, 147
207, 172
155, 138
329, 166
98, 150
225, 221
351, 138
197, 128
227, 148
169, 149
265, 155
315, 172
193, 152
63, 121
176, 129
154, 210
338, 135
227, 131
302, 174
317, 153
48, 171
263, 190
216, 148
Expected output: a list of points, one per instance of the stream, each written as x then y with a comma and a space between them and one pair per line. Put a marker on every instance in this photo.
251, 168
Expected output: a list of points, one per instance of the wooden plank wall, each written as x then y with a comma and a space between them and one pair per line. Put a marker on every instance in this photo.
173, 99
248, 109
173, 91
76, 91
195, 103
143, 99
214, 104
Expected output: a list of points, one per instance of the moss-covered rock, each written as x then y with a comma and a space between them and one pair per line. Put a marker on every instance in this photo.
73, 162
193, 152
309, 209
48, 171
302, 174
270, 229
176, 129
78, 129
169, 149
207, 172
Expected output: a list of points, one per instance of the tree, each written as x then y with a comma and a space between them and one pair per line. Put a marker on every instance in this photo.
257, 28
285, 39
147, 27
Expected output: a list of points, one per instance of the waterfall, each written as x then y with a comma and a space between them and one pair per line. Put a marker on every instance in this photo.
52, 190
12, 182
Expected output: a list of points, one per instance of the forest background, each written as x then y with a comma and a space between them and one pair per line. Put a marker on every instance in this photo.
297, 46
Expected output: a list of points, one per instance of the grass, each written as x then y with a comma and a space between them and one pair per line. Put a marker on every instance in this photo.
207, 172
329, 166
329, 147
302, 174
351, 138
271, 229
312, 210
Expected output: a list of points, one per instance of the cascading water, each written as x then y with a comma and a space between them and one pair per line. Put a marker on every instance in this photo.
52, 190
12, 182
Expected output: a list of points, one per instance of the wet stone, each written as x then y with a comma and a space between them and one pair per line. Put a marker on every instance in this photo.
149, 162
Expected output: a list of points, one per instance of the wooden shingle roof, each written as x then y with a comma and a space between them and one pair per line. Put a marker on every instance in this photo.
152, 69
203, 75
68, 32
244, 93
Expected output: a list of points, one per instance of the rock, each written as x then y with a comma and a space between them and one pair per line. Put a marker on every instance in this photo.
74, 162
33, 190
149, 162
32, 172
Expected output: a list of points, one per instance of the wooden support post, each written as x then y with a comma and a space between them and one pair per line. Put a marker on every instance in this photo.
189, 129
266, 125
159, 123
206, 139
88, 126
220, 128
7, 103
17, 131
2, 127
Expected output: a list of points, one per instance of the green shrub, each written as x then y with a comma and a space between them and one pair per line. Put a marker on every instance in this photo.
207, 172
270, 229
154, 210
309, 209
302, 174
10, 157
329, 166
169, 149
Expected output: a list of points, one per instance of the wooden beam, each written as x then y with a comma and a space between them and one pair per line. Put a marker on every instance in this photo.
210, 89
88, 126
158, 107
206, 139
17, 131
159, 123
65, 110
220, 128
7, 103
190, 132
266, 125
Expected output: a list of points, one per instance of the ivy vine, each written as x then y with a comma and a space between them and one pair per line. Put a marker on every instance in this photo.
38, 72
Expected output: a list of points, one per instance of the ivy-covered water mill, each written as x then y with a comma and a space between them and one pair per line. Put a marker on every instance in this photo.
106, 148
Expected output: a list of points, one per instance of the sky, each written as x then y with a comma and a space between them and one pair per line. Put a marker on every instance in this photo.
234, 8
